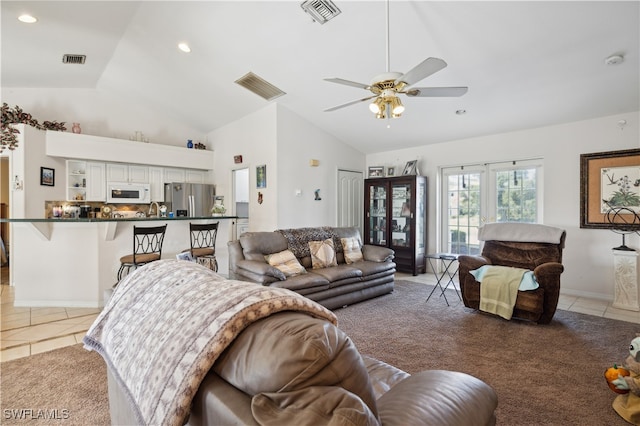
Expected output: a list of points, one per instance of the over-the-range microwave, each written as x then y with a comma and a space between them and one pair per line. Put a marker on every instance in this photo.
132, 193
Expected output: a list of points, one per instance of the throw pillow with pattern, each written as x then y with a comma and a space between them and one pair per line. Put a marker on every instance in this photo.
323, 254
286, 262
352, 251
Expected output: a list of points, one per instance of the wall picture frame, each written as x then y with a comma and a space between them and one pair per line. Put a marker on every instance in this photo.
609, 180
391, 171
376, 171
47, 176
261, 176
410, 168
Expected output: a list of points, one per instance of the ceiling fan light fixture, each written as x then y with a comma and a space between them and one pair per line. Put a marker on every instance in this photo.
373, 107
396, 107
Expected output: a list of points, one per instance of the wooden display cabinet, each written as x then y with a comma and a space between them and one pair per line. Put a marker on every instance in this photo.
395, 216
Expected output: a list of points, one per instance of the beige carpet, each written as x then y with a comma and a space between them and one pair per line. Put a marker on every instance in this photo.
67, 386
544, 375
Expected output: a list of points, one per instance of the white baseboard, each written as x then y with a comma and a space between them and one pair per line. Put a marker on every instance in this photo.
587, 294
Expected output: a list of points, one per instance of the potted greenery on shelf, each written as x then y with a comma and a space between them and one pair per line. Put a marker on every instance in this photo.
16, 116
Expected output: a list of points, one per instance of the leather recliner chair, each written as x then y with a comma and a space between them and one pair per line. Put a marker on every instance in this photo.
529, 246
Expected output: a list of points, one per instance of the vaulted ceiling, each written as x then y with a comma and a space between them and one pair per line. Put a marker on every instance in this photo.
527, 64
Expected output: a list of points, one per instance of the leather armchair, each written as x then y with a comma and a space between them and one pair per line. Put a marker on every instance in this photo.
520, 245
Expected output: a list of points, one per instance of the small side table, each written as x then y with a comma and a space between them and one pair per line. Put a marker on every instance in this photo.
448, 273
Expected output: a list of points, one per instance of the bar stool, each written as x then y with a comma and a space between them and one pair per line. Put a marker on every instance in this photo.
203, 244
147, 247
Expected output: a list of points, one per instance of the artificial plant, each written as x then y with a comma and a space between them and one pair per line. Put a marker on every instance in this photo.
16, 115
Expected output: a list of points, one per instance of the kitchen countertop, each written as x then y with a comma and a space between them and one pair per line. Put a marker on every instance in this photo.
113, 219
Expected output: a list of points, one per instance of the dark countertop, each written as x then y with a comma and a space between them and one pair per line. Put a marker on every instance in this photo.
119, 219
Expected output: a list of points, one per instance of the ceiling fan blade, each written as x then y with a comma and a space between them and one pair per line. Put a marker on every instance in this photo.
423, 70
348, 83
349, 103
434, 92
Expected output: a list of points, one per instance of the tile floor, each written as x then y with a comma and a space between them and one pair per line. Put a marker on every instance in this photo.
27, 331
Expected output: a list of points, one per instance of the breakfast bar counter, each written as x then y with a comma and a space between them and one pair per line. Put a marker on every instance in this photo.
71, 262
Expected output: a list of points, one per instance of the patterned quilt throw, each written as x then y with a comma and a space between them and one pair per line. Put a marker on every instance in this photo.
168, 322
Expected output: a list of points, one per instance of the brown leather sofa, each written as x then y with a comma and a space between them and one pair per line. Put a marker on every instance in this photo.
332, 287
293, 369
534, 247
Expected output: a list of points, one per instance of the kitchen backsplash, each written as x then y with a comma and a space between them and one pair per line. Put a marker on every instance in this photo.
71, 210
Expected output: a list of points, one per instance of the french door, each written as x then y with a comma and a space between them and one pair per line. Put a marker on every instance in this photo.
472, 195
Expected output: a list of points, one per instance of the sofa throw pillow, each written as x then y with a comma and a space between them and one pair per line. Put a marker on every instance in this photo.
323, 254
528, 281
352, 251
286, 262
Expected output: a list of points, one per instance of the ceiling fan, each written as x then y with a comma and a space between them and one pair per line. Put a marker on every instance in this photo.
387, 86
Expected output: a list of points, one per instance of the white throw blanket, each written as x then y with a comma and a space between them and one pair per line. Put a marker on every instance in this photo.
168, 322
521, 232
499, 290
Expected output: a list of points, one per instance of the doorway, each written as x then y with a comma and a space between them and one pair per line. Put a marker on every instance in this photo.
494, 192
240, 200
350, 199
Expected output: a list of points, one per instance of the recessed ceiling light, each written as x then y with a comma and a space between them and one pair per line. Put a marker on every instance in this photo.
461, 111
184, 47
27, 19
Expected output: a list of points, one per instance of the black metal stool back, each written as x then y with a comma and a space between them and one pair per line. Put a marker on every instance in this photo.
203, 243
147, 247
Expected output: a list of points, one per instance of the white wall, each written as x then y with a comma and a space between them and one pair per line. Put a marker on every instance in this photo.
285, 142
101, 114
25, 163
254, 137
587, 257
298, 142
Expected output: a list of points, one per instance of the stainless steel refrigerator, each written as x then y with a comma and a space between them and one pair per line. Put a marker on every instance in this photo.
189, 199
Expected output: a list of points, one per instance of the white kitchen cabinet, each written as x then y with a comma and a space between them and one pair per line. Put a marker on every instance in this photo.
117, 172
96, 182
131, 173
174, 175
156, 180
138, 174
195, 176
86, 181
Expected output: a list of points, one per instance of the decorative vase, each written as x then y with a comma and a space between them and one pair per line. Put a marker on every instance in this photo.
189, 143
76, 128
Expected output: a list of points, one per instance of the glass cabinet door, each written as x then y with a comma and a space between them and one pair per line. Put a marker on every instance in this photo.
378, 215
421, 214
401, 204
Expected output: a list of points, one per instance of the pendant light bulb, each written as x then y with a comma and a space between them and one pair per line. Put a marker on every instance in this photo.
396, 107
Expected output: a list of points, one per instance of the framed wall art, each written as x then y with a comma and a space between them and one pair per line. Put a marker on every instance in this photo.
609, 181
376, 171
261, 176
391, 171
47, 176
410, 168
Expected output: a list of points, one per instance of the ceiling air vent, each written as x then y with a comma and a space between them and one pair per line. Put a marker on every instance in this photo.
320, 10
259, 86
73, 59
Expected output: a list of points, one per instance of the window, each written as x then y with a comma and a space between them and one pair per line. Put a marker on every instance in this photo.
498, 192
